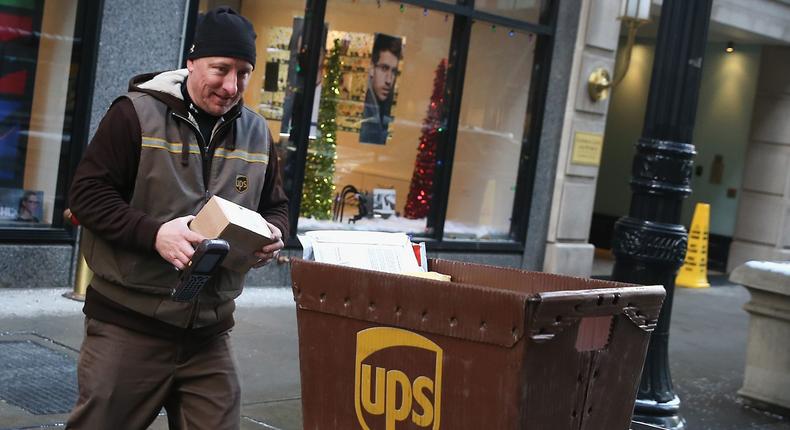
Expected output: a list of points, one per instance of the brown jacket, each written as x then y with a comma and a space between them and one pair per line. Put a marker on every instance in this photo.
147, 165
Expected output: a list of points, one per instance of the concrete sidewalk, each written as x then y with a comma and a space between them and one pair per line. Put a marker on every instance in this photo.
264, 341
707, 349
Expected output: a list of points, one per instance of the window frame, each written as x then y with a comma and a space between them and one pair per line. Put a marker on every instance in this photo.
84, 53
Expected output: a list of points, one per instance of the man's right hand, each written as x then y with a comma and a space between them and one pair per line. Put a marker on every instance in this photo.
174, 241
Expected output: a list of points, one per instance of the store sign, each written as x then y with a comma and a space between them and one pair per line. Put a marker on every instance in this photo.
398, 378
587, 148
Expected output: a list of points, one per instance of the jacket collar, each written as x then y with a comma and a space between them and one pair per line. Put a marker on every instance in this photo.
166, 87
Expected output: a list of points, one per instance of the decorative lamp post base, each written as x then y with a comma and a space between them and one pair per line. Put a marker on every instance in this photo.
665, 415
669, 422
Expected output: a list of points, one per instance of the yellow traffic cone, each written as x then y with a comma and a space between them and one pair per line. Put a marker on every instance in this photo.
694, 273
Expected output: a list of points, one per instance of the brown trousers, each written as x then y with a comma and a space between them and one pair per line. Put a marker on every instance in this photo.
126, 377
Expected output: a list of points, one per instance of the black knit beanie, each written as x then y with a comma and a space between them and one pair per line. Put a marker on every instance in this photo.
222, 32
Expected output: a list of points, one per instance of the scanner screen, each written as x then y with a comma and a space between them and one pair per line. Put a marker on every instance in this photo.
207, 263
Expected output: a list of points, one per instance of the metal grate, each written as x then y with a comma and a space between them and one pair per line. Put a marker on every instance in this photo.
37, 379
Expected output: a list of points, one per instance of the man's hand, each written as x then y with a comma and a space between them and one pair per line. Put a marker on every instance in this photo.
174, 241
268, 252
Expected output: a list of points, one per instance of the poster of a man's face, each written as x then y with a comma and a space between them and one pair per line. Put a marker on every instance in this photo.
18, 205
387, 54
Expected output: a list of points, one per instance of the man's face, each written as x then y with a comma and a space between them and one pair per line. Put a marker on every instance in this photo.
31, 203
383, 75
216, 84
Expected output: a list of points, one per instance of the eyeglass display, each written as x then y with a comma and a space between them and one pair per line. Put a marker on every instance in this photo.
378, 125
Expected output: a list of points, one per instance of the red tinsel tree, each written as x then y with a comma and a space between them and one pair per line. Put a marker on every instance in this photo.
418, 203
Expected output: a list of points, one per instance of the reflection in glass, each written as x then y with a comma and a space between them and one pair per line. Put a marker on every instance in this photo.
36, 78
490, 134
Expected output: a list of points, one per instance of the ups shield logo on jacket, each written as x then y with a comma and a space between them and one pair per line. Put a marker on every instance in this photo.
398, 380
241, 183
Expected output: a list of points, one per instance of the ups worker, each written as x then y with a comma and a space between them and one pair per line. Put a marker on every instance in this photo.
175, 139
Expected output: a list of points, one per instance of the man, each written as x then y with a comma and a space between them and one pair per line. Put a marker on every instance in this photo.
160, 152
29, 206
381, 85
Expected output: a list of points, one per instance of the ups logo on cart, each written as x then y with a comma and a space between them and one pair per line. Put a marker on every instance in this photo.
398, 380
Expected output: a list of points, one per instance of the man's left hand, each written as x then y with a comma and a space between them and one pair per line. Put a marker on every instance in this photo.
270, 251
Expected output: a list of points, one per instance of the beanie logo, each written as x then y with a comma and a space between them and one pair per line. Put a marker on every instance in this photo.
241, 183
192, 49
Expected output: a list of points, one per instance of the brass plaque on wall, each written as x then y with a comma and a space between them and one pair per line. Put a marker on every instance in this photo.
587, 148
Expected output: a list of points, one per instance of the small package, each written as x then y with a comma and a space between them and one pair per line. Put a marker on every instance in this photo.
245, 230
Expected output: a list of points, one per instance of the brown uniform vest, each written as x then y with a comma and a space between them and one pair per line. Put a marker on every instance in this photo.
168, 186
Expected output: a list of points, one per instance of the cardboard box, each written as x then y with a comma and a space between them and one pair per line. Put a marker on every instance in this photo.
245, 231
496, 348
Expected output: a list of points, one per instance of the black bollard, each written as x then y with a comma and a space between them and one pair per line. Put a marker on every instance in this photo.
649, 244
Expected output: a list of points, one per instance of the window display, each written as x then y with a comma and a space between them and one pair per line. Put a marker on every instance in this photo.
358, 110
36, 103
379, 114
421, 187
388, 61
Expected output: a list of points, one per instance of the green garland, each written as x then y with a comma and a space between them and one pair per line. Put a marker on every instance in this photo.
319, 183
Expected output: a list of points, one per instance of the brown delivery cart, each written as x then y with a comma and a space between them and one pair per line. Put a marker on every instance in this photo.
496, 348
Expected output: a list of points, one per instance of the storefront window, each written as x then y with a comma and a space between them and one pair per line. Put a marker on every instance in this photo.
37, 79
378, 109
490, 133
524, 10
379, 114
393, 58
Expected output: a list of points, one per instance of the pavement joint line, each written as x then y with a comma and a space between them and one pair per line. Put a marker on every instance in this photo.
40, 336
286, 399
268, 426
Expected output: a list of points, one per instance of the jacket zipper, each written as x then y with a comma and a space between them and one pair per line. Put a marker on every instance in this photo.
211, 147
206, 151
206, 154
